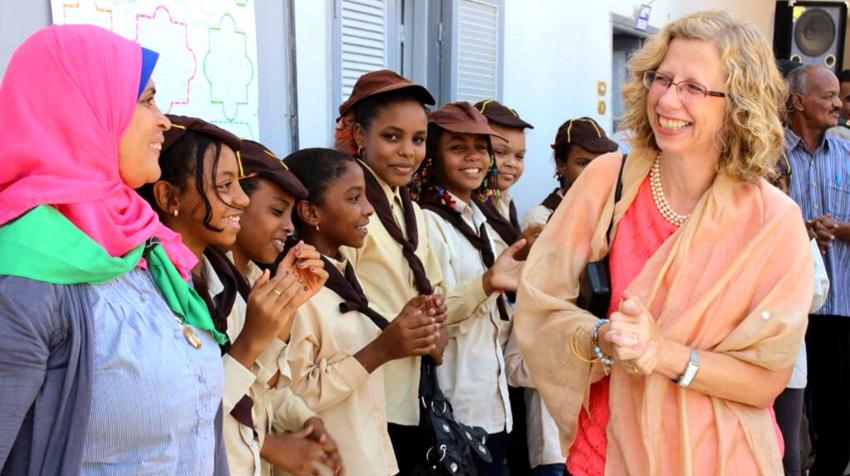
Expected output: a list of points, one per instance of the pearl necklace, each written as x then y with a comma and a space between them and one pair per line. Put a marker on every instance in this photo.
660, 200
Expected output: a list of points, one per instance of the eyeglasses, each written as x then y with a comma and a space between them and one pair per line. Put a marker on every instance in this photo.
655, 81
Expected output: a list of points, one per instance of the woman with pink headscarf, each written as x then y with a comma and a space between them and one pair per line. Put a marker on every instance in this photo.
109, 360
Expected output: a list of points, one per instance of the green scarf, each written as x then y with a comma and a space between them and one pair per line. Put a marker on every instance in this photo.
43, 245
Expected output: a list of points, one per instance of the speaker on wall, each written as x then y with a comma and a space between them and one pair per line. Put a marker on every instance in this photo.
810, 32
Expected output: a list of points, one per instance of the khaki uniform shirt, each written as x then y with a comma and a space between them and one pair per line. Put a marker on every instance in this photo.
347, 398
274, 408
387, 281
473, 375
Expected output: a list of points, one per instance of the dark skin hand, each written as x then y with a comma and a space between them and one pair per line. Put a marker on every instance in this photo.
295, 452
824, 229
530, 235
412, 333
319, 434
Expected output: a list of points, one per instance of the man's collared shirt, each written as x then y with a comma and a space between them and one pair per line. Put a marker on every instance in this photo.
820, 183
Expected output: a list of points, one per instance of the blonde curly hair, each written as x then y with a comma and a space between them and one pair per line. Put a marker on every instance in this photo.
752, 138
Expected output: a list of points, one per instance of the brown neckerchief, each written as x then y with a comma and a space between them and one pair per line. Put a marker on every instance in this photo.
552, 200
220, 307
376, 196
348, 288
480, 240
508, 229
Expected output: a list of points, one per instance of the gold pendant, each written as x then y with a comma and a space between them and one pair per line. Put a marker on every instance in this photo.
191, 337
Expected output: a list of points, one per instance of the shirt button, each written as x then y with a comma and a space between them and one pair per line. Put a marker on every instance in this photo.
201, 378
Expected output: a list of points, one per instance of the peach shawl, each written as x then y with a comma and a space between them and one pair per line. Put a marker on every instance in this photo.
736, 278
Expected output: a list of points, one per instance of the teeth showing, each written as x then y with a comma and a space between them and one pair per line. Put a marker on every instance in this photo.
672, 123
234, 220
471, 172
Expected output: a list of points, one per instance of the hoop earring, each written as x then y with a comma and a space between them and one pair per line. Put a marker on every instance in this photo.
361, 151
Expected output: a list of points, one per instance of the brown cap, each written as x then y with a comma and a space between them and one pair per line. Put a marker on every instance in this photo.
181, 124
462, 118
500, 114
585, 133
257, 160
382, 81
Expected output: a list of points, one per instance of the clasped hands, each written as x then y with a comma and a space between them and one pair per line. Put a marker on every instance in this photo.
633, 338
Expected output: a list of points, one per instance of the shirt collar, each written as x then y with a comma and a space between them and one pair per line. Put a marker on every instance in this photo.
339, 263
253, 272
468, 211
214, 284
390, 191
792, 141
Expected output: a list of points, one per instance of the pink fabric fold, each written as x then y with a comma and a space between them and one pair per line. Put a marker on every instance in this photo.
68, 95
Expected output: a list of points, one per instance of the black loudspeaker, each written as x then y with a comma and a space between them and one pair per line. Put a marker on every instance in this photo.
810, 32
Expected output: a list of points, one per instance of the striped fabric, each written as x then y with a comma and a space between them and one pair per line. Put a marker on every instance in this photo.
154, 397
820, 183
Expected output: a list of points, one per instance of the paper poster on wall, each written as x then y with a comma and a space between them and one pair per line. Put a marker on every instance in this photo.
208, 52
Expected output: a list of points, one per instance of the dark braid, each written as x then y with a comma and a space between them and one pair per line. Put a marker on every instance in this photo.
185, 159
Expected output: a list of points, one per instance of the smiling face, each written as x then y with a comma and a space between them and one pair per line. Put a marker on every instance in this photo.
394, 141
510, 154
343, 214
569, 169
226, 203
820, 105
463, 162
141, 143
266, 222
686, 123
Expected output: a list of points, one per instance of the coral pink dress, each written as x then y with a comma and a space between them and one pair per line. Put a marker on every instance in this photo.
640, 233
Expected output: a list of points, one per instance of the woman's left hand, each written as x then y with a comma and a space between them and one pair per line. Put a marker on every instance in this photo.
635, 337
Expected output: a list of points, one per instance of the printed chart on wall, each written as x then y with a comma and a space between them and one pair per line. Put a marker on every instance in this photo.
208, 52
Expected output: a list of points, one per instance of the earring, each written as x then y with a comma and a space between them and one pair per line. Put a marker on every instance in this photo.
361, 151
175, 212
317, 228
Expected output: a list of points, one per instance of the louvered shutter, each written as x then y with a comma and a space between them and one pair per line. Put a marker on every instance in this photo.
363, 40
477, 61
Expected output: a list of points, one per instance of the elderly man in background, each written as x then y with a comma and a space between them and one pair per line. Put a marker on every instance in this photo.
820, 184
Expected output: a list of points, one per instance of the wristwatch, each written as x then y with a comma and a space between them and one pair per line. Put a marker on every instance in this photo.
686, 379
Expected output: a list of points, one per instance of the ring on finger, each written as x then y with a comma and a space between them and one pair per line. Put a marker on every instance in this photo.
277, 292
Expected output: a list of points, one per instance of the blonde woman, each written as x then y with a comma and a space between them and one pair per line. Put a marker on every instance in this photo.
710, 270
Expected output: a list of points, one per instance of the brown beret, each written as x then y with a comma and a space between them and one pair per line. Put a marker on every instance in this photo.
383, 81
585, 133
181, 124
460, 117
500, 114
257, 160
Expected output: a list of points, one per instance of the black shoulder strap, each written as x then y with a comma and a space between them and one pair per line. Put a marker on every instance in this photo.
618, 193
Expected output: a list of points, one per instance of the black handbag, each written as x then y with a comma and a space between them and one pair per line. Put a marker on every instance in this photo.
452, 447
595, 281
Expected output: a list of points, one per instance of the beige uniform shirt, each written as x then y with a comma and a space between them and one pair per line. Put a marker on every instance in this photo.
473, 375
537, 215
387, 281
347, 398
274, 408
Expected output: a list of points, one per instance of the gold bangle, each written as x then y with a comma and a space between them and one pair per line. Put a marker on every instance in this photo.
578, 355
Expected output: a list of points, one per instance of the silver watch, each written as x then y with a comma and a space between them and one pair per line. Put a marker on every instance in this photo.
687, 378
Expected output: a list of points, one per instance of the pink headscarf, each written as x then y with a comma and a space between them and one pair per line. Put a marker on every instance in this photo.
67, 97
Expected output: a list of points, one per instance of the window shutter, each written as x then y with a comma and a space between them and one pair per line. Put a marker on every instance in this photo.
363, 40
478, 50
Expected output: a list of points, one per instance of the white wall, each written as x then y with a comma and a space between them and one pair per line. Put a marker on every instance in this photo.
555, 52
313, 20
